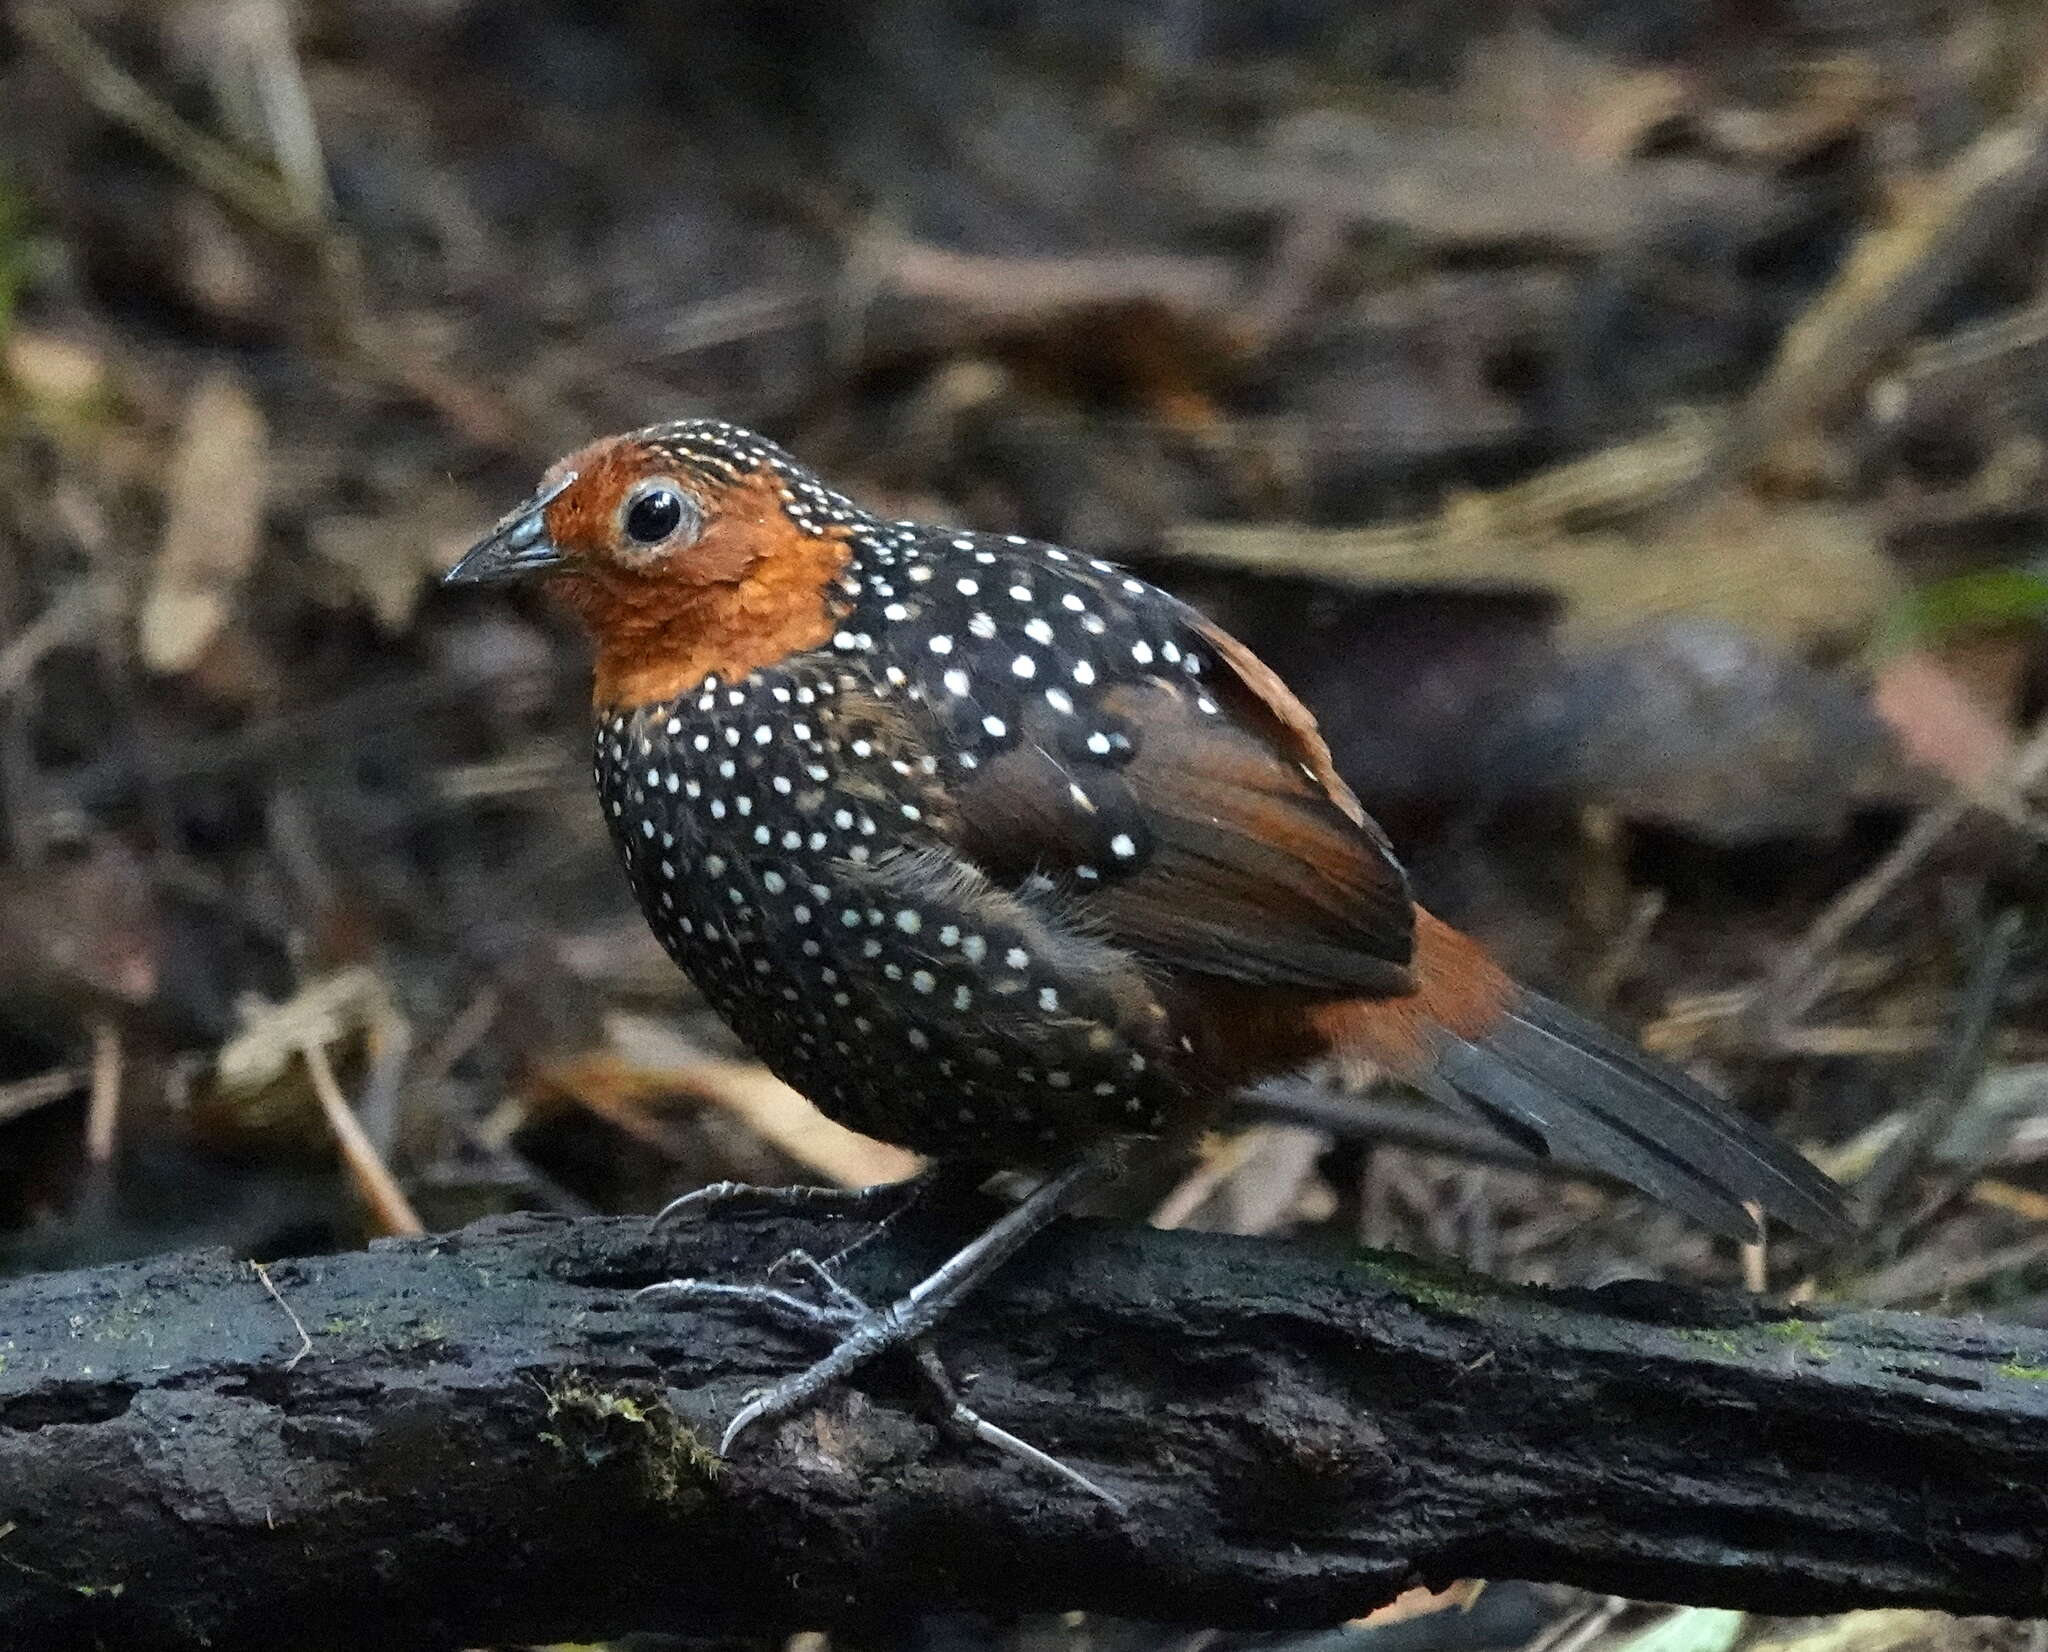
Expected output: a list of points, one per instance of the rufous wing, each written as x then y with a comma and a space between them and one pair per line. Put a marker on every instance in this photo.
1214, 839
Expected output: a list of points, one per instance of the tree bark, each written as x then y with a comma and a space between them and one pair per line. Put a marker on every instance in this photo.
489, 1439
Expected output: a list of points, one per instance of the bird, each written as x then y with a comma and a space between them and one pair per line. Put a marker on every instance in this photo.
1002, 854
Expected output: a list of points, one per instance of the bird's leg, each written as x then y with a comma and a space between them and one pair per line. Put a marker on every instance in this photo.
868, 1332
927, 1302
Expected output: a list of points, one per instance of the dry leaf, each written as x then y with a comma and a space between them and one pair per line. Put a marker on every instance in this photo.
776, 1113
213, 524
1939, 723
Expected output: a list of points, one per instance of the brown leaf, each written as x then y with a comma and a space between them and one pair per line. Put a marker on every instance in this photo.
213, 524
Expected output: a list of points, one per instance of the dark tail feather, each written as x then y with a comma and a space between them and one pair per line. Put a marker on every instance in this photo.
1555, 1081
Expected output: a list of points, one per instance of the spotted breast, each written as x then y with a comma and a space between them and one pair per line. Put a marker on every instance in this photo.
828, 845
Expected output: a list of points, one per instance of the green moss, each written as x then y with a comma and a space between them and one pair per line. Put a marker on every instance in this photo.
675, 1466
1722, 1342
132, 1320
2011, 1368
1434, 1286
1802, 1334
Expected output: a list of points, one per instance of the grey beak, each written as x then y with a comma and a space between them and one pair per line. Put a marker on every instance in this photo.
517, 546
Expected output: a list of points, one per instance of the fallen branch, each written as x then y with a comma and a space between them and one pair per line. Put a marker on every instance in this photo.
491, 1440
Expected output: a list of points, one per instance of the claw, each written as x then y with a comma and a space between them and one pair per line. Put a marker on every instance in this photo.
797, 1200
868, 1332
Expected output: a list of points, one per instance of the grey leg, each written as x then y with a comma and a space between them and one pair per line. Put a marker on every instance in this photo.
927, 1302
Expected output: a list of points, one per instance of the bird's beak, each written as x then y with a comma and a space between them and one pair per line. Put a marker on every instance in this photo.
517, 546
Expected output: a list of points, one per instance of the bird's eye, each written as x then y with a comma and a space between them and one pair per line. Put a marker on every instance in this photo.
654, 513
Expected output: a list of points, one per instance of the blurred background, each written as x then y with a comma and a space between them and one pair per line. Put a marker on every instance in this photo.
1624, 423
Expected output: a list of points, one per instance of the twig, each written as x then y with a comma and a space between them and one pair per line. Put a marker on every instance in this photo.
25, 1095
1795, 983
269, 202
121, 98
305, 1341
1965, 1064
380, 1189
1888, 283
103, 1116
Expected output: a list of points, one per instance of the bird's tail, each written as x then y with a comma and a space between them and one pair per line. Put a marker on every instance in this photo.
1555, 1082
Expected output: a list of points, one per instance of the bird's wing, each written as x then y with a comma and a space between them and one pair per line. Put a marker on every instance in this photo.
1198, 821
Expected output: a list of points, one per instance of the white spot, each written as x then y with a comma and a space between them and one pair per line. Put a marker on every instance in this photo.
1098, 743
967, 586
974, 948
995, 726
1058, 700
941, 644
1072, 603
1024, 666
895, 611
923, 980
1122, 847
1017, 958
909, 922
958, 683
1142, 652
1084, 673
1048, 999
981, 625
774, 882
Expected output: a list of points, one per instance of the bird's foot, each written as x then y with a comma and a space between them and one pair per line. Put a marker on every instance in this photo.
864, 1333
884, 1200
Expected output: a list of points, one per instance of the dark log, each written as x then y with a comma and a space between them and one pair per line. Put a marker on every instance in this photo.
490, 1440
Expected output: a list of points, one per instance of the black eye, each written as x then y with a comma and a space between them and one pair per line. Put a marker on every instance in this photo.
655, 515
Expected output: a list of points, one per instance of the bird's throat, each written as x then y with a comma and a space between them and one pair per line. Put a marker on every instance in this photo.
659, 637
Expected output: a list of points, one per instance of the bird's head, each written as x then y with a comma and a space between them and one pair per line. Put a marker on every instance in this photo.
687, 548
